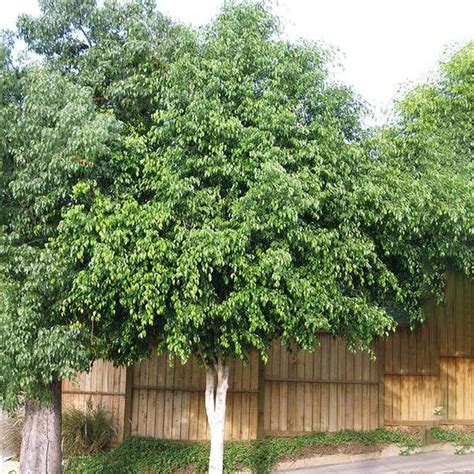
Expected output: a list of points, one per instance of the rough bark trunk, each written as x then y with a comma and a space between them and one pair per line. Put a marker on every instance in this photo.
41, 441
217, 382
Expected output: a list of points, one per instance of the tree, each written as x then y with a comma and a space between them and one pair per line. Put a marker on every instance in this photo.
251, 210
60, 124
54, 138
420, 187
101, 59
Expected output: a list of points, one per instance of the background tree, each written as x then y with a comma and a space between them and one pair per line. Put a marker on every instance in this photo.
419, 192
54, 138
254, 209
61, 122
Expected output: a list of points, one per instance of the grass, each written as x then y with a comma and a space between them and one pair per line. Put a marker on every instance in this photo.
139, 455
88, 431
10, 433
463, 441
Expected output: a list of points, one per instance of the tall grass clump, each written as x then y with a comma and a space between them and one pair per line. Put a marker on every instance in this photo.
11, 428
88, 431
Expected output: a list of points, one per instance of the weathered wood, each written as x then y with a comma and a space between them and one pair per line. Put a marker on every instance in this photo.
104, 385
320, 381
261, 399
127, 427
381, 382
184, 388
94, 393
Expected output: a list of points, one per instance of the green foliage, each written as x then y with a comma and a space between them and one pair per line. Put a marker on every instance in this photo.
54, 138
61, 123
421, 191
210, 191
86, 432
138, 454
256, 206
233, 220
115, 48
464, 441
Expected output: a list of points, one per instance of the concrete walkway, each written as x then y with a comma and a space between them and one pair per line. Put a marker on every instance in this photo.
426, 463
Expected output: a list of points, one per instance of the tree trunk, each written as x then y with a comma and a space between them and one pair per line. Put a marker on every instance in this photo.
217, 379
41, 441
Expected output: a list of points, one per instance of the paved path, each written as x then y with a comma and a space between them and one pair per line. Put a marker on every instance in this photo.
426, 463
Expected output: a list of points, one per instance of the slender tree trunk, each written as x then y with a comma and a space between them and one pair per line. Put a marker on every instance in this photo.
217, 381
41, 441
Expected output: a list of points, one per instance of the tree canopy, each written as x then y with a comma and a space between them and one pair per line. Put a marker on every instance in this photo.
60, 125
257, 206
228, 226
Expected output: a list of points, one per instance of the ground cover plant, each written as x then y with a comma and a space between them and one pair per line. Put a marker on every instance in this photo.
140, 454
462, 440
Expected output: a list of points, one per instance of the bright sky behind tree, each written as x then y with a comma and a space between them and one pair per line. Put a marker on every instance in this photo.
385, 43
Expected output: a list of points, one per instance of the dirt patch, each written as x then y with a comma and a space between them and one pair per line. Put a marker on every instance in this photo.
465, 429
409, 429
354, 447
185, 470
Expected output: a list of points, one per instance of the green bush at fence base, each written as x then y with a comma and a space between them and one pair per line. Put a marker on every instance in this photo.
149, 455
463, 441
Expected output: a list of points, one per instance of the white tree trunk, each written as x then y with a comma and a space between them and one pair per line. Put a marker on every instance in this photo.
217, 382
41, 440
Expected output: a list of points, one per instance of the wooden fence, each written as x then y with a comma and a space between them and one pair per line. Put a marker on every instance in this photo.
415, 376
105, 385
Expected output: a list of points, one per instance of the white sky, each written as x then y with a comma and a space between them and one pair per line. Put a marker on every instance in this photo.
386, 43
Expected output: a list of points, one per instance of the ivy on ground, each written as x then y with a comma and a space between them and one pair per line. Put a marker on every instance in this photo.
141, 454
463, 441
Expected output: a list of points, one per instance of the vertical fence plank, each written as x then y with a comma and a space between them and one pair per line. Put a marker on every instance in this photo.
127, 385
308, 391
291, 403
381, 382
283, 373
275, 401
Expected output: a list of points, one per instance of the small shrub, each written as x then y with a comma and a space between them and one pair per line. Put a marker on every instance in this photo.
87, 432
463, 441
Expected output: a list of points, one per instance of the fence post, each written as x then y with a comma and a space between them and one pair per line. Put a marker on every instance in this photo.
261, 398
127, 422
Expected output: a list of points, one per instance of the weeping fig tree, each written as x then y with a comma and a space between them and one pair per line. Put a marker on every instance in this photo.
62, 119
252, 209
